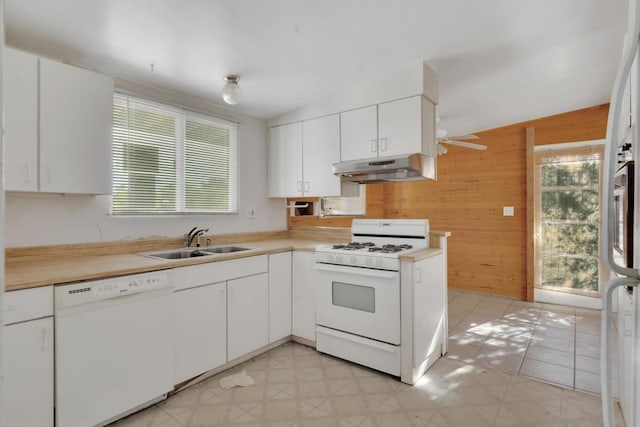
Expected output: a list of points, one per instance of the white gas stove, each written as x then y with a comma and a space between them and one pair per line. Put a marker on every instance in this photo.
377, 243
357, 289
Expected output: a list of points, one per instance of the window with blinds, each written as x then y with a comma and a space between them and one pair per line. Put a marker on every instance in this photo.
167, 160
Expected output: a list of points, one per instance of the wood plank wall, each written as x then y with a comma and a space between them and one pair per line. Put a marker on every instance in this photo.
487, 252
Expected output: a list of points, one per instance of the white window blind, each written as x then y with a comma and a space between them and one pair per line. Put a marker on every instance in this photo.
168, 160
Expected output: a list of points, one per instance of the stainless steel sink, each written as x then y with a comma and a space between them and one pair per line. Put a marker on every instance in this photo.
225, 249
195, 252
179, 254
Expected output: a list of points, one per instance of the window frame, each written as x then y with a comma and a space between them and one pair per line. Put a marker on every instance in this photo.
182, 115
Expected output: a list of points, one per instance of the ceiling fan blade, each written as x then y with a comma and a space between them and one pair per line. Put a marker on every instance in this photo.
463, 137
464, 144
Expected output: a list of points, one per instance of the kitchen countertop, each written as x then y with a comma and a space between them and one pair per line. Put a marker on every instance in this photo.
60, 270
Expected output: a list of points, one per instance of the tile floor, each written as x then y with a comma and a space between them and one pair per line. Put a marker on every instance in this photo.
297, 386
552, 343
496, 346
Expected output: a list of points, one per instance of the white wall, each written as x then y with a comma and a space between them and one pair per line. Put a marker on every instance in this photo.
46, 219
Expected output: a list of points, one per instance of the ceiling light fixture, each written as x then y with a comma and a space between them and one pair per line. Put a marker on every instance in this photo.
231, 92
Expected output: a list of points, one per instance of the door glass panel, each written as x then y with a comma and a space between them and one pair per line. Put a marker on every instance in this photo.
357, 297
567, 220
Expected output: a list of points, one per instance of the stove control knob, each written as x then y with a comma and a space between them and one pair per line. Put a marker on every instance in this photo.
338, 258
352, 260
368, 261
379, 262
330, 258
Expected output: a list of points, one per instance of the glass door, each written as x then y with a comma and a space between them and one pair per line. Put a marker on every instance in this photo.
567, 192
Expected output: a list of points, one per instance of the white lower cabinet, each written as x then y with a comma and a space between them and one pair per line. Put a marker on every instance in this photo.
28, 374
303, 309
200, 330
27, 358
247, 315
279, 296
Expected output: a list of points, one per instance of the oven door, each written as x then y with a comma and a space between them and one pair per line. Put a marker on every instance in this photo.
359, 301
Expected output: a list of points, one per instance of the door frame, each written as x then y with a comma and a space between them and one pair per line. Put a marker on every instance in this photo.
533, 293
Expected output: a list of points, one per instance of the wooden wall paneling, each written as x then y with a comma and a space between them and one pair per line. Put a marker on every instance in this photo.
581, 125
529, 292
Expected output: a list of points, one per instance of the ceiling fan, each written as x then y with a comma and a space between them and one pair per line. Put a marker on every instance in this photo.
443, 138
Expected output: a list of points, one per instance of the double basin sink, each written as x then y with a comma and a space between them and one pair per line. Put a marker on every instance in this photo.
195, 252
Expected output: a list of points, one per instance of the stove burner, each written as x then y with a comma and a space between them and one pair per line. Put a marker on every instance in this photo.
385, 249
353, 246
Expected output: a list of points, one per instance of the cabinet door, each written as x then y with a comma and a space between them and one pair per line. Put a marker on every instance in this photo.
200, 330
359, 134
75, 129
28, 374
279, 296
429, 308
303, 313
285, 160
320, 149
400, 127
20, 84
248, 314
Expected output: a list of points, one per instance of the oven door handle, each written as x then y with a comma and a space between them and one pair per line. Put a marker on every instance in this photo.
370, 272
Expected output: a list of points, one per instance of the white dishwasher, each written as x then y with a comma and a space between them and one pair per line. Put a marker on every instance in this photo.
113, 347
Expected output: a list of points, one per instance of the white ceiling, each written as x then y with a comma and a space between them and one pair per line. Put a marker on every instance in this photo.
499, 61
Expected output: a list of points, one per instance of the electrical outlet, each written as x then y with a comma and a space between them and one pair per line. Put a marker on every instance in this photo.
507, 211
251, 213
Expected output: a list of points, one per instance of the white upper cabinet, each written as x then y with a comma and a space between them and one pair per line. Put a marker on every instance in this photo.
404, 126
320, 149
20, 85
75, 129
359, 133
300, 156
400, 127
57, 126
285, 160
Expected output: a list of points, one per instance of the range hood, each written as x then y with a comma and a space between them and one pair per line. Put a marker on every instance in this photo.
407, 167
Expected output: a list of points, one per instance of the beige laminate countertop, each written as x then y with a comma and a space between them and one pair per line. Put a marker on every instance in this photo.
60, 270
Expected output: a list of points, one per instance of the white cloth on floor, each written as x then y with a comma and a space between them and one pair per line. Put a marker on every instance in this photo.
241, 379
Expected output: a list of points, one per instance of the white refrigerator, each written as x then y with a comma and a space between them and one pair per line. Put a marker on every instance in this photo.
620, 239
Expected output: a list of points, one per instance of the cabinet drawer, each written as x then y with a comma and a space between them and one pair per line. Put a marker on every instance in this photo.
27, 304
220, 271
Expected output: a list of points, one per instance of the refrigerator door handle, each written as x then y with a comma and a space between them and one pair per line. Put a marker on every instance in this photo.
610, 159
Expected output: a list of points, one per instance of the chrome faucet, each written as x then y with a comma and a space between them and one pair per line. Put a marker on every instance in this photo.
195, 233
